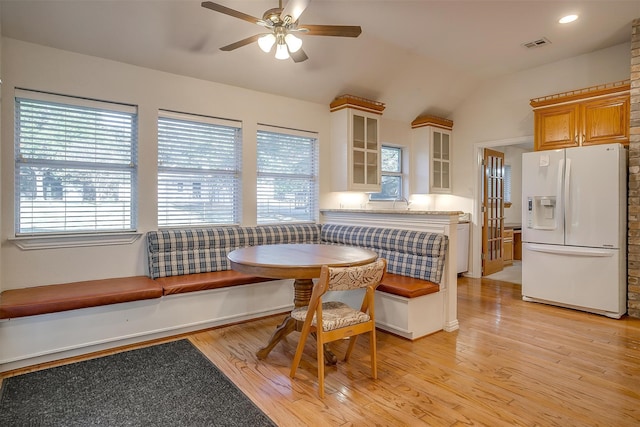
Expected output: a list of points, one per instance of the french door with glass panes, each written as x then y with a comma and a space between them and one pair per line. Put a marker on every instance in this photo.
492, 212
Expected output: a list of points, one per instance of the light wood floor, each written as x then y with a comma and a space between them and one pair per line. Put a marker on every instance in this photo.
510, 363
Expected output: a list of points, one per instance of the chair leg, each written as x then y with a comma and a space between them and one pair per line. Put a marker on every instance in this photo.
320, 347
374, 352
352, 344
298, 355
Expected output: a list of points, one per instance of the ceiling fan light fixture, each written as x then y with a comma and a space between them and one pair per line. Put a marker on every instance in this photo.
266, 42
281, 51
293, 42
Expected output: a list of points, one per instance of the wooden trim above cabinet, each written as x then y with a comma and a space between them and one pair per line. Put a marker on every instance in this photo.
357, 103
426, 120
580, 94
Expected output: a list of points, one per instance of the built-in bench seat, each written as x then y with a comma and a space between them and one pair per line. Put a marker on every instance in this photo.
409, 301
191, 260
190, 287
71, 296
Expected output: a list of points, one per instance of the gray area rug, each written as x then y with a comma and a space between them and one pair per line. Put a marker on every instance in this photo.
170, 384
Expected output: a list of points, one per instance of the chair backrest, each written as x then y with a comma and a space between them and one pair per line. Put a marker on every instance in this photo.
347, 278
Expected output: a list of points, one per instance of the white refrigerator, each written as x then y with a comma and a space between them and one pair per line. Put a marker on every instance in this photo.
574, 228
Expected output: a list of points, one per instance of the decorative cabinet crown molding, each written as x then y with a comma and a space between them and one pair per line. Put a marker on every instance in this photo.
582, 94
427, 120
357, 103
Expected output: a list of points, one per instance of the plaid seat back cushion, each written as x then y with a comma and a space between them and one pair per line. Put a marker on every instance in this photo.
175, 252
410, 253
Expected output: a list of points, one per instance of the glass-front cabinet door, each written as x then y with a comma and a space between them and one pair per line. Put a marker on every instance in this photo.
431, 155
365, 152
441, 161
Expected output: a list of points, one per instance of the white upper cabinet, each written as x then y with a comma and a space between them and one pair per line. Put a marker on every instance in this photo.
355, 149
431, 159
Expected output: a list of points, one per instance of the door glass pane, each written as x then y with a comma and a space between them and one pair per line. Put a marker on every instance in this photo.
437, 150
358, 131
445, 174
445, 146
358, 167
372, 134
372, 167
437, 174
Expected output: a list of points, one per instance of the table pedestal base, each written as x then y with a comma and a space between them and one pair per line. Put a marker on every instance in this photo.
302, 295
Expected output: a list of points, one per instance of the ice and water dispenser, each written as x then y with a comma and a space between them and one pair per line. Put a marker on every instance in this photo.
541, 212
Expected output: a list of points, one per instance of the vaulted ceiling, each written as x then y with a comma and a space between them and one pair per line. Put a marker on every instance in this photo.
415, 56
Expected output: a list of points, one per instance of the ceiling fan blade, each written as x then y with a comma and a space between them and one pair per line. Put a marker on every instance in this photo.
241, 43
231, 12
331, 30
294, 9
298, 56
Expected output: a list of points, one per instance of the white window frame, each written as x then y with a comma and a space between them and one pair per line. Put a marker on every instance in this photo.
292, 207
66, 234
210, 137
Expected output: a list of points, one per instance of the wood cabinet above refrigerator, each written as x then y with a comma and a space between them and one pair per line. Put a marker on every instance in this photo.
594, 115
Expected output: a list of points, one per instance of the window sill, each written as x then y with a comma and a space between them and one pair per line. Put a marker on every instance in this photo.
28, 243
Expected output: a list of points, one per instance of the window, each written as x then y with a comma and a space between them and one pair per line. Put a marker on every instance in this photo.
198, 170
391, 172
75, 165
287, 176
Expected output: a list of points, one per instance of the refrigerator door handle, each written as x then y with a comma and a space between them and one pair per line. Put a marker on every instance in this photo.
566, 250
559, 198
567, 197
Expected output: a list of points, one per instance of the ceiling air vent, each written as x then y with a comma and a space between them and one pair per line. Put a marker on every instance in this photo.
537, 43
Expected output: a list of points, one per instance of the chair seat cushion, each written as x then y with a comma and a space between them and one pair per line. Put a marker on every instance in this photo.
335, 315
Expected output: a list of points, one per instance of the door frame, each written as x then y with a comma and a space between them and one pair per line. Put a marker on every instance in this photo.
476, 229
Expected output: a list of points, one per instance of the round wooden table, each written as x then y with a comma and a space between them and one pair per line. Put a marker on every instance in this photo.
301, 262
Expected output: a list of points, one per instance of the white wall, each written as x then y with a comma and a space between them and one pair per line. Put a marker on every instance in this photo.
37, 67
499, 110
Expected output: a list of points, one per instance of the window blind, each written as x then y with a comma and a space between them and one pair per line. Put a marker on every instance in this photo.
287, 176
198, 170
75, 165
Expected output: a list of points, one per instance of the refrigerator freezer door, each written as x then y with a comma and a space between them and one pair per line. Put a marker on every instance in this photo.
590, 279
542, 206
595, 196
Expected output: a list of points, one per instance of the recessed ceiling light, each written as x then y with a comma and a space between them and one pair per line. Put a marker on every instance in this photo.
567, 19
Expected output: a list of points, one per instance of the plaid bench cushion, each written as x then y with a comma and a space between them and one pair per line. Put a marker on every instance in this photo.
410, 253
176, 252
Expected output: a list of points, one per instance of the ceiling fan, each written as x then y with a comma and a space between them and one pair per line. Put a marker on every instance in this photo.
283, 25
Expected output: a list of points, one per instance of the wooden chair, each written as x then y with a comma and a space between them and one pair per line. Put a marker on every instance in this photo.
331, 321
